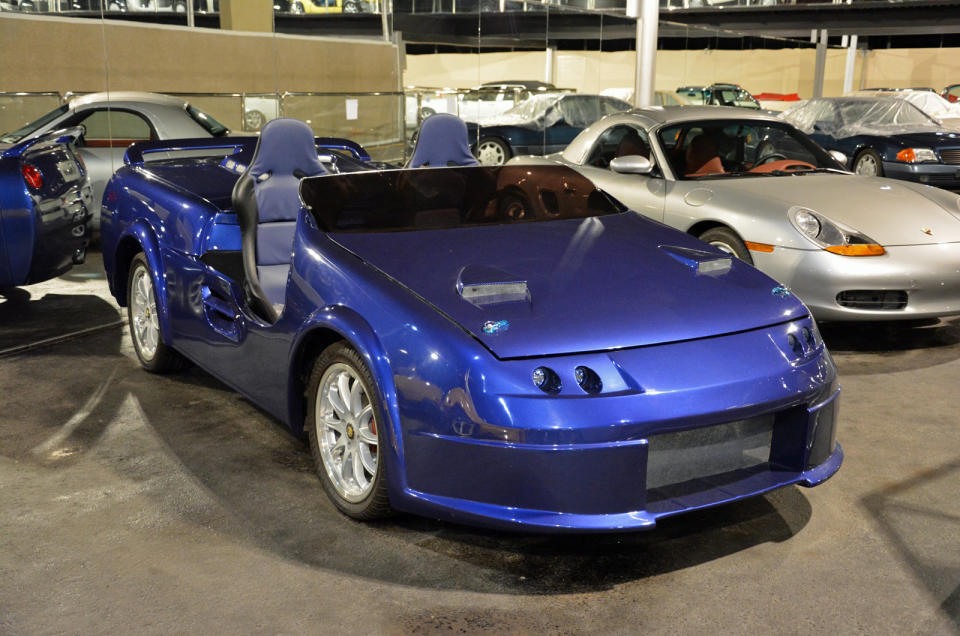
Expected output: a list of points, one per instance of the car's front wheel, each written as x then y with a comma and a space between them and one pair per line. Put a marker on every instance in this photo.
297, 8
493, 152
154, 355
868, 163
726, 240
347, 444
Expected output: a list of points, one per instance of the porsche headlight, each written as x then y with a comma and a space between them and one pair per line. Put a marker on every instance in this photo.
832, 236
917, 155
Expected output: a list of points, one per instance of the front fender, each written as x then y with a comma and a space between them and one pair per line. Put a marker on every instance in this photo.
353, 328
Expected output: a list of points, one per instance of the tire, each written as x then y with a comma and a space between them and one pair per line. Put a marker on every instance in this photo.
868, 164
350, 431
154, 355
514, 207
180, 7
727, 240
297, 8
351, 7
492, 151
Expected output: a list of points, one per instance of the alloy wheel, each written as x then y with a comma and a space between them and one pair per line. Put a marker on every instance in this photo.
143, 311
346, 432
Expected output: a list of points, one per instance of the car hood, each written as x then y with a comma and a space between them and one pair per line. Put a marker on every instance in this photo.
591, 284
887, 211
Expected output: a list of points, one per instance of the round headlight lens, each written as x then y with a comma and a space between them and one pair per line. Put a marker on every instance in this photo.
588, 380
808, 223
547, 380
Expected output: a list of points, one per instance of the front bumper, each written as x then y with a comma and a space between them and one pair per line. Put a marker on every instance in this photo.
731, 417
929, 274
935, 174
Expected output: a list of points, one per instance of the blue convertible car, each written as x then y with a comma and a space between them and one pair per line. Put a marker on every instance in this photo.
45, 201
497, 346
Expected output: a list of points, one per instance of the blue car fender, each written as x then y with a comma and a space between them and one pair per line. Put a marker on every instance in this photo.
354, 329
141, 231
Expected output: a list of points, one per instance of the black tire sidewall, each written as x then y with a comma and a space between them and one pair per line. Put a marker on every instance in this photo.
374, 505
730, 238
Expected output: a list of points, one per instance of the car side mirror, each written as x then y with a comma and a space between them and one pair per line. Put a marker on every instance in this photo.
631, 164
839, 157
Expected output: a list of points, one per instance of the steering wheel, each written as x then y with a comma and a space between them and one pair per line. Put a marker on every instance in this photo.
773, 156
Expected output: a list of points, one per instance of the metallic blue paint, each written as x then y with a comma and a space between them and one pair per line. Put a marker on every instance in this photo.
42, 232
470, 438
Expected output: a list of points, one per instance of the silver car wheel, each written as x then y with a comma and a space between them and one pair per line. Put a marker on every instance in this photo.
491, 153
143, 311
723, 247
346, 432
867, 166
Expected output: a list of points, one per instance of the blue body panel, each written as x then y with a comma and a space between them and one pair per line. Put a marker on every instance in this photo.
41, 230
469, 437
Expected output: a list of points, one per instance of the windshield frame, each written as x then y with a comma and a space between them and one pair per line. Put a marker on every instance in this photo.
206, 121
826, 162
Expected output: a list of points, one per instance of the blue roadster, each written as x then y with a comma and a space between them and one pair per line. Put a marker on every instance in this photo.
507, 346
45, 201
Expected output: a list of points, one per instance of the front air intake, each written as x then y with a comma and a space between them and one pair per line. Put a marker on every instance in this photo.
876, 300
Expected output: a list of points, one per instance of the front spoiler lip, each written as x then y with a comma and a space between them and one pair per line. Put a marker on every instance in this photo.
522, 519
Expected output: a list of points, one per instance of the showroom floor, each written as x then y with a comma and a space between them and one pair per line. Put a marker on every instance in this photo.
134, 502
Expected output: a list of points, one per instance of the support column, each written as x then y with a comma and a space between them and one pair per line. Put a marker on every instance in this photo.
647, 13
851, 65
244, 15
550, 72
820, 65
190, 22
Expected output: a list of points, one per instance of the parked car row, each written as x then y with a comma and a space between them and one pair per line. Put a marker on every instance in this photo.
570, 289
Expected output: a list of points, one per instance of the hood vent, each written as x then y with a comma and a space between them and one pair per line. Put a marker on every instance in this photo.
484, 286
702, 262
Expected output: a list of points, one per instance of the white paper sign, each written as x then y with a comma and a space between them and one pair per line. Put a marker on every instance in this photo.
352, 107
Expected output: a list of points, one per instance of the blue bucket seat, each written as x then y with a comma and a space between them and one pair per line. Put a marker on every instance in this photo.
442, 141
266, 199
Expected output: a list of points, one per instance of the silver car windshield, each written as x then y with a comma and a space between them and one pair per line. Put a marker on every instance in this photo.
725, 148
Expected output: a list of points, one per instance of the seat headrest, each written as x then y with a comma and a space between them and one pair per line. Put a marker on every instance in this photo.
632, 144
286, 148
702, 149
442, 141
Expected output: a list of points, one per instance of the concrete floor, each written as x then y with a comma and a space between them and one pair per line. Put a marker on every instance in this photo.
137, 503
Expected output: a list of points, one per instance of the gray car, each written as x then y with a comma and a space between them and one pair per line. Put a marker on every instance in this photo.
852, 247
113, 121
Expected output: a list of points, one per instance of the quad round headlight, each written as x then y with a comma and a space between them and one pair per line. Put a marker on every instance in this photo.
588, 379
547, 380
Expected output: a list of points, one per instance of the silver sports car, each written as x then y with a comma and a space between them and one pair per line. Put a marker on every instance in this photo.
852, 247
111, 122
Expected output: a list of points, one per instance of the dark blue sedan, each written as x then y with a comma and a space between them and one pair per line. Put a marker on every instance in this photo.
883, 136
539, 126
501, 346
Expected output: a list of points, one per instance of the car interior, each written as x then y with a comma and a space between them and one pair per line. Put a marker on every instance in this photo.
266, 199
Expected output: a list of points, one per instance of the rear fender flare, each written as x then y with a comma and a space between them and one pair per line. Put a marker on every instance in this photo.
141, 231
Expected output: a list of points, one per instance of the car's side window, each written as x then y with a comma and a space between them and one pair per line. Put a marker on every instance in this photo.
108, 128
619, 140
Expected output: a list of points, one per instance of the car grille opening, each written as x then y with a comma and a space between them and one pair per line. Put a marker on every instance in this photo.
881, 299
950, 155
679, 462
